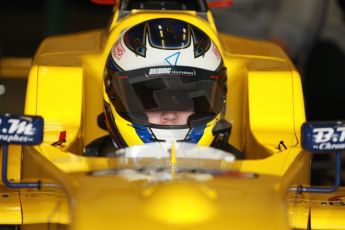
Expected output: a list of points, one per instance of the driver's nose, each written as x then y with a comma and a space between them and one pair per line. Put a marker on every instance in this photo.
169, 117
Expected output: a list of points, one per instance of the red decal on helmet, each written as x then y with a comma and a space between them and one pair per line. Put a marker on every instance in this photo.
122, 77
216, 51
118, 50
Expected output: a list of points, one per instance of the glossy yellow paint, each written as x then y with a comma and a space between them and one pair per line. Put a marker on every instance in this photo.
14, 158
264, 105
194, 207
220, 203
326, 210
44, 206
10, 210
10, 206
44, 226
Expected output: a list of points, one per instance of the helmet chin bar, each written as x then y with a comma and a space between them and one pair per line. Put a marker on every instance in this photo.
170, 136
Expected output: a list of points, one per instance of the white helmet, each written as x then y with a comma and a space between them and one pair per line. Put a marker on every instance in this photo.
164, 67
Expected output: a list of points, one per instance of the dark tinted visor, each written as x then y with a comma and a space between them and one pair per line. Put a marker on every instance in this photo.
139, 92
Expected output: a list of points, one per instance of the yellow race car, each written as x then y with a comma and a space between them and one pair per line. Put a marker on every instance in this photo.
160, 122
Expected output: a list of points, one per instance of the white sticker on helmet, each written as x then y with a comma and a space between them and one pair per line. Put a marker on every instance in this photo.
162, 57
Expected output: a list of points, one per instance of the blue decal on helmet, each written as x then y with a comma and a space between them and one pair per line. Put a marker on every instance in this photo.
112, 65
172, 59
195, 134
144, 134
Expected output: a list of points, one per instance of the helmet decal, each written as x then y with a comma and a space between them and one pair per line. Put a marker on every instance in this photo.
216, 52
195, 134
118, 50
172, 59
144, 133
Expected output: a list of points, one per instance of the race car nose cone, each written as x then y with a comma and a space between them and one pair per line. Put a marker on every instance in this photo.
180, 203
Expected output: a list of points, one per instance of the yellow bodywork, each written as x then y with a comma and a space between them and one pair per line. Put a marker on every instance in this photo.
265, 106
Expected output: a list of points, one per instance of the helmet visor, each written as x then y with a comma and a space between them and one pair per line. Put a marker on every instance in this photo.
141, 94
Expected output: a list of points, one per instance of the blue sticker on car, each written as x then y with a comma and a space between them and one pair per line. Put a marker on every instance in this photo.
19, 129
323, 136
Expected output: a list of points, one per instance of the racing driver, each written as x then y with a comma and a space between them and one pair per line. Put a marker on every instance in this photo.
164, 81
